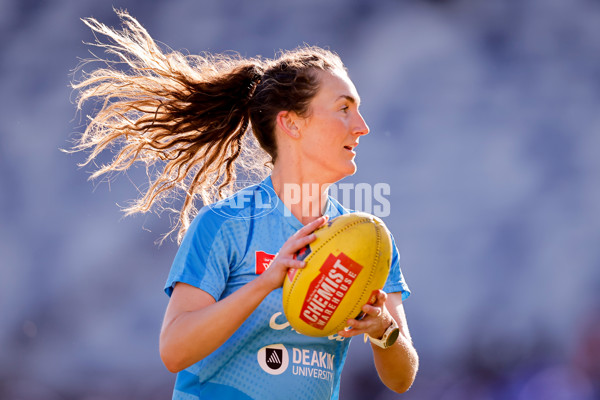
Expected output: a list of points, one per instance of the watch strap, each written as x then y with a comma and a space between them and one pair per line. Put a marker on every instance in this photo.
389, 336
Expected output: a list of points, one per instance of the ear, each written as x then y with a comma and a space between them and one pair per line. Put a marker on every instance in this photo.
289, 123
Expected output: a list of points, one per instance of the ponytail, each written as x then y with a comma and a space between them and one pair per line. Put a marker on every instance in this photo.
182, 116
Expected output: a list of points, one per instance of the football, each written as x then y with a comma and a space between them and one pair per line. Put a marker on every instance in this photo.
348, 261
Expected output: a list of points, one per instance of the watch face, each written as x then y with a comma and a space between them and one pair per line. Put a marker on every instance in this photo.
392, 337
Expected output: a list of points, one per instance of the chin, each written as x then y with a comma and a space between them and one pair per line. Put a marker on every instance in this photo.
339, 171
349, 170
352, 168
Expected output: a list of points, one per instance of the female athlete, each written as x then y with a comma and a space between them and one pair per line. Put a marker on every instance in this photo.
193, 120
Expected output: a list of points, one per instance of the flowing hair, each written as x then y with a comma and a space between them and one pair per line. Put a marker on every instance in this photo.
185, 116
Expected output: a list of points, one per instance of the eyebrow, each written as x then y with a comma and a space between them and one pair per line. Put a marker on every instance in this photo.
349, 98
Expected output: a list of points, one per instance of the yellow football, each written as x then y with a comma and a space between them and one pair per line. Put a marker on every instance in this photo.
347, 262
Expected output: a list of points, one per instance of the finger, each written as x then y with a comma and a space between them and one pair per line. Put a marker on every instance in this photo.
349, 333
304, 240
310, 227
360, 325
292, 263
296, 265
325, 219
354, 328
380, 298
372, 310
298, 243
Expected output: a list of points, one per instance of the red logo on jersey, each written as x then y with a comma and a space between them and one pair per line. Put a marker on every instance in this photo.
263, 260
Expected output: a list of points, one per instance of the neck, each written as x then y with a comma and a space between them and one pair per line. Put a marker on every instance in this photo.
304, 196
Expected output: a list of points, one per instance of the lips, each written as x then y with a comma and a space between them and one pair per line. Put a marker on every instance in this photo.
351, 147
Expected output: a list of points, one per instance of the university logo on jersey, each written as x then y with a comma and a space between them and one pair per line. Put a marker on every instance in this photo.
263, 260
273, 359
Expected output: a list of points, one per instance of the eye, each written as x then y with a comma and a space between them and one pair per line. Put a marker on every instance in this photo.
345, 109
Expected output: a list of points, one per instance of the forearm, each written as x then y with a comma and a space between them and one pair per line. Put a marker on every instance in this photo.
193, 335
397, 365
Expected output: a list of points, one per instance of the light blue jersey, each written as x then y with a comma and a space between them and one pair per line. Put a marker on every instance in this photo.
227, 245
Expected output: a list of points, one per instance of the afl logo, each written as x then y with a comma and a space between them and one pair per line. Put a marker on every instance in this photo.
257, 199
273, 359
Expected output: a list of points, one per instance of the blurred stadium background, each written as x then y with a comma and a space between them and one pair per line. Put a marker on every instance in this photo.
484, 119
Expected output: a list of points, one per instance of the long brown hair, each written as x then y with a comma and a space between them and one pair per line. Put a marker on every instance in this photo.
185, 116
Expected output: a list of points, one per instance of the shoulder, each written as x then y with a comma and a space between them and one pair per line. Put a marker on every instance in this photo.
246, 203
233, 214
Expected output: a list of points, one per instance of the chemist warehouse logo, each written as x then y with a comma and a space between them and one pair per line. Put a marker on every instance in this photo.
274, 359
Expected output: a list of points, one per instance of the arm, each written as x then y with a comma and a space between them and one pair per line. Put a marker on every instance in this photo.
195, 324
397, 365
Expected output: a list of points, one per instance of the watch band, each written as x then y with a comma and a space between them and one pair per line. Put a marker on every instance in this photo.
389, 336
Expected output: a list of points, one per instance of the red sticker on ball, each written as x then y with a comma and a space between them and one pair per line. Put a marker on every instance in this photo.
291, 273
327, 290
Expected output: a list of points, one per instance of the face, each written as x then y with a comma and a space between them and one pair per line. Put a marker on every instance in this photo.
331, 132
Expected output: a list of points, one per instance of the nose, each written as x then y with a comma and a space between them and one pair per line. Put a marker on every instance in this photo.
361, 127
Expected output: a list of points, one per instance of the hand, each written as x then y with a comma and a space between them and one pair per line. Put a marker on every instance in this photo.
285, 259
375, 321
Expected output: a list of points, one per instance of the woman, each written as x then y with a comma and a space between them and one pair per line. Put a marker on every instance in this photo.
187, 118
